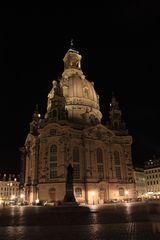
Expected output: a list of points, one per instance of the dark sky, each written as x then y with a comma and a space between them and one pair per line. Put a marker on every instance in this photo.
120, 53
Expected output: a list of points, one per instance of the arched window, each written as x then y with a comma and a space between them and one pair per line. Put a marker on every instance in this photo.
53, 161
100, 166
75, 154
121, 191
99, 155
116, 158
78, 192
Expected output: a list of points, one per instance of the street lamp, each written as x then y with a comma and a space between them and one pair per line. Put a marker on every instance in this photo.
13, 197
22, 196
37, 201
93, 194
126, 193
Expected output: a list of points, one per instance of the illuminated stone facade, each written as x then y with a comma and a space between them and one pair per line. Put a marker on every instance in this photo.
71, 132
9, 189
140, 182
152, 173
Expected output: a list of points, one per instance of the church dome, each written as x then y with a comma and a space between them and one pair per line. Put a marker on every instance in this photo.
82, 101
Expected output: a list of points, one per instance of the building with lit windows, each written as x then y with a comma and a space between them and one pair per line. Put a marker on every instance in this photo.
72, 132
152, 172
9, 188
140, 182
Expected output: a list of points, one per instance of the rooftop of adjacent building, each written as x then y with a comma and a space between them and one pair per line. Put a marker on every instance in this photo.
152, 163
138, 169
9, 177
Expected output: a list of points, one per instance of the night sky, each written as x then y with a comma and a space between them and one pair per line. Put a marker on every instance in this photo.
120, 53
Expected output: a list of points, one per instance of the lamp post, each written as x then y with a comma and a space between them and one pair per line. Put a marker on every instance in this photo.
21, 198
93, 194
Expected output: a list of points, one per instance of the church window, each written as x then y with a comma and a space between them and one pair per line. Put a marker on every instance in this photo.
99, 155
100, 166
117, 165
75, 154
53, 153
100, 171
53, 170
118, 172
78, 192
121, 191
116, 158
53, 161
76, 171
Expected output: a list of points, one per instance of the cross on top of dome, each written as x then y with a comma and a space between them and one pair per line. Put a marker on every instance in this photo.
72, 49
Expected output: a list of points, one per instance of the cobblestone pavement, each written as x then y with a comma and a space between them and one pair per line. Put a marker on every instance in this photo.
110, 222
121, 231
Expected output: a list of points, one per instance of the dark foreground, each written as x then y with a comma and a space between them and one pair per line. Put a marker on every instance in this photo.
115, 221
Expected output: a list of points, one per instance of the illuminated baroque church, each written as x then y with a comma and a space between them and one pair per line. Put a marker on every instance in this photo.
71, 133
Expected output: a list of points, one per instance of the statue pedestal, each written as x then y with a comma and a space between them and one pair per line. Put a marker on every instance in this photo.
69, 196
69, 204
71, 207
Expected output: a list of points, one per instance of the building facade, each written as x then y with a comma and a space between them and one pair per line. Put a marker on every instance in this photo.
140, 182
9, 189
71, 132
152, 172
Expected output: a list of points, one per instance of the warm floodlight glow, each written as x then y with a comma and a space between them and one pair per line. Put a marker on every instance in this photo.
22, 195
13, 197
37, 200
93, 194
126, 192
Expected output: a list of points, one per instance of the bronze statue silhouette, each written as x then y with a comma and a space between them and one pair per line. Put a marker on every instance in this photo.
70, 174
69, 196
